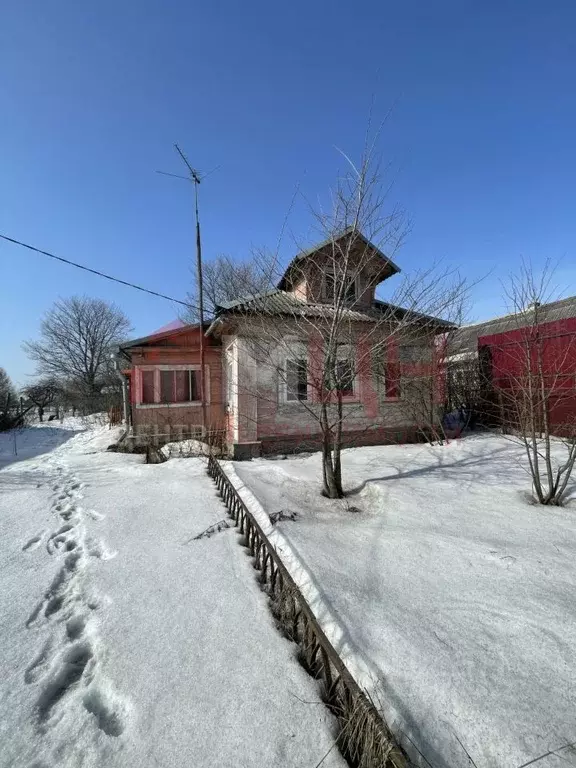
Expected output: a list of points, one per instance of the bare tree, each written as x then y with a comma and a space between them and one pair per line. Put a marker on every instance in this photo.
10, 414
531, 373
322, 331
7, 390
225, 280
45, 392
77, 337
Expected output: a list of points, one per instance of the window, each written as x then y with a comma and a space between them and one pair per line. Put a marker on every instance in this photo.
344, 378
163, 385
296, 380
167, 387
147, 386
179, 386
341, 372
331, 284
350, 291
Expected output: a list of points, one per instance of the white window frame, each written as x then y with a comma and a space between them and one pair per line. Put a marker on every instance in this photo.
298, 351
230, 388
157, 402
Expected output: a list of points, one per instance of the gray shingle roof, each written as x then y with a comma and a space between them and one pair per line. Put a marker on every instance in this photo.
277, 302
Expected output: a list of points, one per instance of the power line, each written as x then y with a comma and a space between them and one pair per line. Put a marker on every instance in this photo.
96, 272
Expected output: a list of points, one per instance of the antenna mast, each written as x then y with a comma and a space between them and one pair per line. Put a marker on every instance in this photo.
195, 179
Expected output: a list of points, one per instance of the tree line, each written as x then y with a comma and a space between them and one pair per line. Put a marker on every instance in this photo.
74, 362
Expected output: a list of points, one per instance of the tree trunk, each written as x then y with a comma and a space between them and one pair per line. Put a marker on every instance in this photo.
337, 449
331, 473
40, 413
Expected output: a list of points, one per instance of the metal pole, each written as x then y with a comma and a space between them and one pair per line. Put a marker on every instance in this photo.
195, 178
200, 308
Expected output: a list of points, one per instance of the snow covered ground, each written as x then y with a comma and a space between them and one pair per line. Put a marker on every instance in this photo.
450, 595
125, 642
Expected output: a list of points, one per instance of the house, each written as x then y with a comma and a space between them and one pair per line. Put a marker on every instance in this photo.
502, 352
274, 359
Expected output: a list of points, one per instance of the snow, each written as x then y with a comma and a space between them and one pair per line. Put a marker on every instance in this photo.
124, 642
447, 592
187, 448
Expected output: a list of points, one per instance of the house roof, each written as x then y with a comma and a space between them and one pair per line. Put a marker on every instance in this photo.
248, 299
391, 268
281, 303
175, 325
466, 338
172, 329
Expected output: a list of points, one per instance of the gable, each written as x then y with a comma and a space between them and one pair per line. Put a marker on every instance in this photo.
320, 256
169, 336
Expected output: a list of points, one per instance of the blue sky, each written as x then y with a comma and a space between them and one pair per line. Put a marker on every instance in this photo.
93, 97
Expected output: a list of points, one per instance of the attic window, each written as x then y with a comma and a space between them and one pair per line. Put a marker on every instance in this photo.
332, 283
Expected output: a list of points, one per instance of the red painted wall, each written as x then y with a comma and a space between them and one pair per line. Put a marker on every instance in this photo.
179, 349
558, 341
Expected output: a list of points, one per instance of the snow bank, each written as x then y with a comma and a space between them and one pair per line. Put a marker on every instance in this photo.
450, 595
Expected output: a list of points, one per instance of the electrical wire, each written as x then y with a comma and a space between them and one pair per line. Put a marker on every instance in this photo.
96, 272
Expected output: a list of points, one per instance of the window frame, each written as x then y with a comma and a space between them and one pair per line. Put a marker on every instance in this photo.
298, 361
345, 353
298, 352
353, 284
351, 391
158, 403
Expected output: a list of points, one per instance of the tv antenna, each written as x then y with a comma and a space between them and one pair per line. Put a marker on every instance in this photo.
196, 178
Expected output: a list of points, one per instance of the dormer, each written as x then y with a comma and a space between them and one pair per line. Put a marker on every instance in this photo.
347, 266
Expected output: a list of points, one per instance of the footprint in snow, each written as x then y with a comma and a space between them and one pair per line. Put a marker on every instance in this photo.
100, 550
60, 592
75, 627
38, 667
34, 542
59, 538
109, 709
64, 680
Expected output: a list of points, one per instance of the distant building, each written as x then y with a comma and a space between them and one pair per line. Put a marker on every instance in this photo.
504, 350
